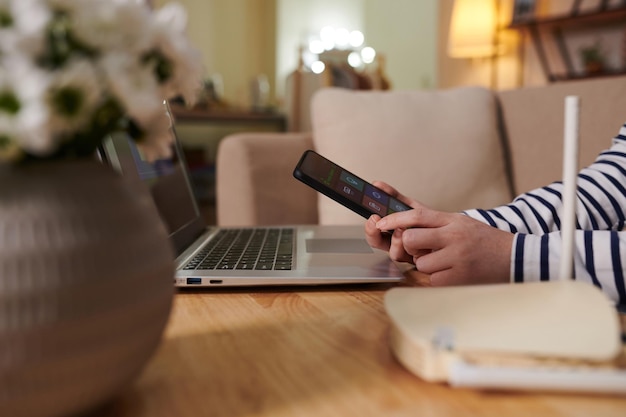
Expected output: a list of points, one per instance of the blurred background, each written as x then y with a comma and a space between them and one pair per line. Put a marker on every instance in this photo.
265, 58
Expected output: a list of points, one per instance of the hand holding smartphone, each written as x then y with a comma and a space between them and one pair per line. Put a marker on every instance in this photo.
344, 187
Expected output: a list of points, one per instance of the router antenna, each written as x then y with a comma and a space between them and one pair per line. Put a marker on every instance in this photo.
570, 175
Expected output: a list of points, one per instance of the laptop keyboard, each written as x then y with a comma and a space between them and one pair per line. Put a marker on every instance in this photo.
259, 249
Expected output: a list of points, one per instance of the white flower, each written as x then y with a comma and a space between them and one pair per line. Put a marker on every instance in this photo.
76, 70
134, 85
173, 16
169, 38
73, 94
24, 117
113, 25
22, 26
31, 130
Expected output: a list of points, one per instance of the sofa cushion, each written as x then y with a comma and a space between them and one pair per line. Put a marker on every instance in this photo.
534, 118
442, 148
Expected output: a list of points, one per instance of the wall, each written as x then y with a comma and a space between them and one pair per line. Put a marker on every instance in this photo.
236, 39
242, 38
405, 31
504, 72
299, 19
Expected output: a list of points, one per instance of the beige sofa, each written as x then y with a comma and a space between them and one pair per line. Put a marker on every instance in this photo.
454, 149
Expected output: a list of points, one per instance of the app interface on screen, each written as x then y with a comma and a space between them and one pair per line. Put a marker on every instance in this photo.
351, 187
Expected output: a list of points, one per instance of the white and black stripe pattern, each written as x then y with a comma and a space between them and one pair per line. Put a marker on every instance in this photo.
600, 243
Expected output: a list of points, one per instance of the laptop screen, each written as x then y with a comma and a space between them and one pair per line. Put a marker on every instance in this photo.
169, 184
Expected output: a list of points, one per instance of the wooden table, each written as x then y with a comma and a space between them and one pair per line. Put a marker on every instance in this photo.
306, 352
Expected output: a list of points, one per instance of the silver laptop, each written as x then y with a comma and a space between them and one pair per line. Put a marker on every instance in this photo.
250, 256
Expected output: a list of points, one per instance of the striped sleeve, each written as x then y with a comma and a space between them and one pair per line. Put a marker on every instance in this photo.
600, 243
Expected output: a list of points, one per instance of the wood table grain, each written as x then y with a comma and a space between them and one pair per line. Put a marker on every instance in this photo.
307, 352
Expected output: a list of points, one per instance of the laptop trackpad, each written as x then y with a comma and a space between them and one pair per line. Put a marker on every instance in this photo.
337, 246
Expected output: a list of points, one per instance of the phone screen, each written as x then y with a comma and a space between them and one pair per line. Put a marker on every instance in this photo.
344, 187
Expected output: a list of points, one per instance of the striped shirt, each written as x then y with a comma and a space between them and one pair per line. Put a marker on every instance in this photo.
600, 243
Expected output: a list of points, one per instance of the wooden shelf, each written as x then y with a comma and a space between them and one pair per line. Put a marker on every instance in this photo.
607, 73
573, 20
557, 26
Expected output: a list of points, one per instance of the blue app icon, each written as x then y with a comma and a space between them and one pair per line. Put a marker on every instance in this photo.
376, 194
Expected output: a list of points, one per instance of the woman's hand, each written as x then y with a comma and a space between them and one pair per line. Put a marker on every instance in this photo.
383, 239
452, 247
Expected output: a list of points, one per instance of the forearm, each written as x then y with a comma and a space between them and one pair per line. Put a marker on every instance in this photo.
599, 258
600, 246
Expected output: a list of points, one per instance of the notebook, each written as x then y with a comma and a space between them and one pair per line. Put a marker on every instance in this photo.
297, 255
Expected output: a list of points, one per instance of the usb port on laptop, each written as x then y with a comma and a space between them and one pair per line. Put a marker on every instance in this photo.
194, 281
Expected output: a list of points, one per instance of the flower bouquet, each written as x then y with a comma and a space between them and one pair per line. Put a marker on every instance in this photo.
73, 71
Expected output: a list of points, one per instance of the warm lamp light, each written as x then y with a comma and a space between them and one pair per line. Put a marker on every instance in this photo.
473, 29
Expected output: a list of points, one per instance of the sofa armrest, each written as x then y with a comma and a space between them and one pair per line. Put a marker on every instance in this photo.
254, 181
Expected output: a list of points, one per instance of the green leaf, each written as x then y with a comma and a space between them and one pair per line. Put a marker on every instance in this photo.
61, 43
9, 102
67, 101
6, 20
163, 67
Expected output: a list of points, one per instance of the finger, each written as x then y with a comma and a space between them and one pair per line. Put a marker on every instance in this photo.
419, 254
371, 221
420, 240
417, 217
445, 277
373, 235
434, 262
396, 248
386, 188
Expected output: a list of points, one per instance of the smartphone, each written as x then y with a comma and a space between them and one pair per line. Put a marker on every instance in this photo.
344, 187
